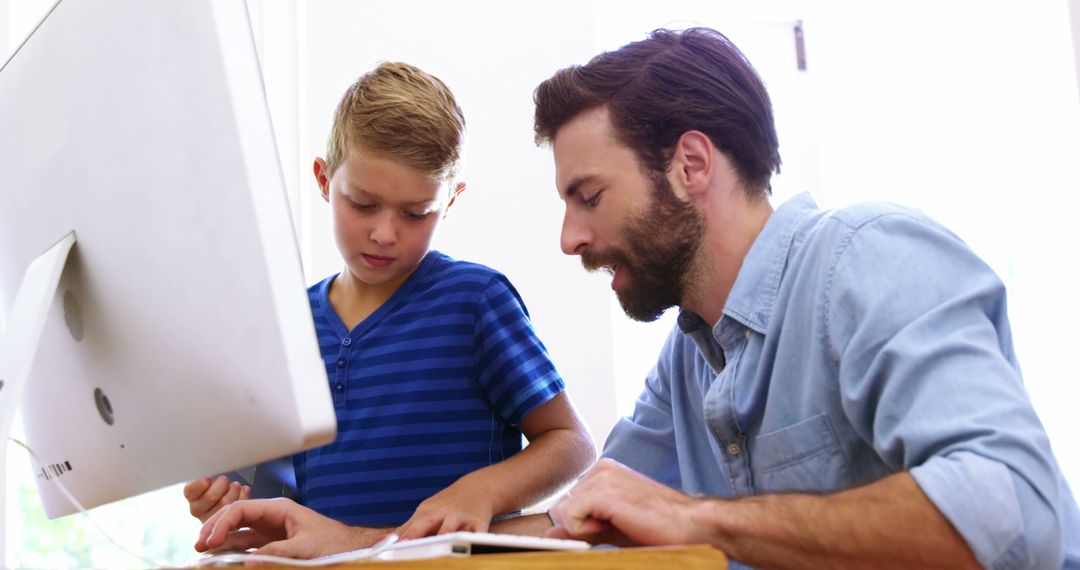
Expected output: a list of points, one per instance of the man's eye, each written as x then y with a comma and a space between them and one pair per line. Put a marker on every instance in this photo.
593, 200
417, 217
363, 207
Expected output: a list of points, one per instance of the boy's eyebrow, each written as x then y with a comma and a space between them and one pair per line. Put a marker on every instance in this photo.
360, 190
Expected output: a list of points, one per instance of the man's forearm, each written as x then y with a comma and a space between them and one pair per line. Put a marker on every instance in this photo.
887, 523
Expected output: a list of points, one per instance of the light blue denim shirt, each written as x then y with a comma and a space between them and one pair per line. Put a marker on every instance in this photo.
855, 344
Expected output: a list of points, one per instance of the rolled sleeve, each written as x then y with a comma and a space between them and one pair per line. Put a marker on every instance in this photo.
920, 328
995, 526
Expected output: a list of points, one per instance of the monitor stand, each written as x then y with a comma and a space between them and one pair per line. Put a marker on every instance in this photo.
19, 343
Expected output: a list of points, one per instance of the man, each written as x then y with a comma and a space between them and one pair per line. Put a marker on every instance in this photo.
841, 389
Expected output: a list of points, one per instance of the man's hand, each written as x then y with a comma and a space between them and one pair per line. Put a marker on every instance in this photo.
853, 528
281, 527
207, 496
613, 504
464, 505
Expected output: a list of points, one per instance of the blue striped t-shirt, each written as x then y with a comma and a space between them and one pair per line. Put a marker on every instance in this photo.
428, 388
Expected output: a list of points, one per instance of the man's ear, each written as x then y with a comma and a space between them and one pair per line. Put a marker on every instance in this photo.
692, 165
322, 177
458, 189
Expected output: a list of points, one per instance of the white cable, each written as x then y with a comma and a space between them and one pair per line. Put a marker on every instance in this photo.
230, 558
353, 555
78, 505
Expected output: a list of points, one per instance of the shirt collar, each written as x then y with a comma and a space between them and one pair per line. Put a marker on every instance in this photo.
751, 299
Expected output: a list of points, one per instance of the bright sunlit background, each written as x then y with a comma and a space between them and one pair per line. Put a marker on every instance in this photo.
968, 110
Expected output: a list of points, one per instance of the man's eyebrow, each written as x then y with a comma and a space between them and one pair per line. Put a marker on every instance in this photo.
576, 184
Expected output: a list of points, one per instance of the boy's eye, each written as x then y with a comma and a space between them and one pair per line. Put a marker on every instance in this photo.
363, 207
417, 216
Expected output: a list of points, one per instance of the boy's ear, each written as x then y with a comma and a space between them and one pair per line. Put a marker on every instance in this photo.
458, 189
691, 165
322, 177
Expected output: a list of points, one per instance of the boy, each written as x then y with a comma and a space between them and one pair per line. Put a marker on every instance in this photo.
434, 367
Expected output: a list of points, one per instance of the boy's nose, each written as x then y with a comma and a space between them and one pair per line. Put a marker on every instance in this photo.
384, 233
575, 238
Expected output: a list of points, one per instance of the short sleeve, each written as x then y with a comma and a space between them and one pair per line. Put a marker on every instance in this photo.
512, 365
645, 441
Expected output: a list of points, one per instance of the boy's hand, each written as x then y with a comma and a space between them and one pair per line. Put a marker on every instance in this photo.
207, 496
461, 506
280, 527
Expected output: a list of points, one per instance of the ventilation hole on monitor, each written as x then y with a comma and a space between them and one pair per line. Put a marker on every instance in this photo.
73, 316
53, 470
104, 407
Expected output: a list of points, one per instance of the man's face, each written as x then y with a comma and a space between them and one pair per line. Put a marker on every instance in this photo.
621, 220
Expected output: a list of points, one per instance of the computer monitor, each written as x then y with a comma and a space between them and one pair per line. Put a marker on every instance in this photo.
176, 339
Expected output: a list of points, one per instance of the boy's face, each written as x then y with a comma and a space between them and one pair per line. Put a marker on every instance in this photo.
384, 213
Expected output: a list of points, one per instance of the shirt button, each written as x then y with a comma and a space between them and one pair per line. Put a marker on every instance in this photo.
339, 387
734, 448
749, 333
347, 341
341, 363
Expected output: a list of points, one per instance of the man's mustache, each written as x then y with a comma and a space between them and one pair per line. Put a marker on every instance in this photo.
603, 261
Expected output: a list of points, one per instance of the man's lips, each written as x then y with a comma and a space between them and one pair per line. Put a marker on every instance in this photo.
617, 277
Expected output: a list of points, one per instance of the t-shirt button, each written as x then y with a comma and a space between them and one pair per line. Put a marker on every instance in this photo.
339, 387
347, 341
341, 363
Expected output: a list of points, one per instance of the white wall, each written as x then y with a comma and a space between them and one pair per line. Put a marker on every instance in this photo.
1074, 13
969, 110
491, 55
966, 109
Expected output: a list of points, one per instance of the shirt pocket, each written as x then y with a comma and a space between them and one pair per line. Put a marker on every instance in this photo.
804, 457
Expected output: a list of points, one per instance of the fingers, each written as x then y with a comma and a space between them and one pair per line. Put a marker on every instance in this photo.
576, 521
612, 503
420, 526
266, 516
453, 522
417, 527
557, 532
235, 492
196, 488
244, 539
289, 548
206, 502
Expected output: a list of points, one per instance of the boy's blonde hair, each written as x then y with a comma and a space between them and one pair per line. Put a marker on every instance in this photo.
401, 113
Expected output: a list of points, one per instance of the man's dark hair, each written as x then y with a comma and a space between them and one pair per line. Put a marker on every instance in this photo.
658, 88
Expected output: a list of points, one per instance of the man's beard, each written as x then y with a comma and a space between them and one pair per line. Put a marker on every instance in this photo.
662, 242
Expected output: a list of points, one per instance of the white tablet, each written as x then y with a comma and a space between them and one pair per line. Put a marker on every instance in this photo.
469, 543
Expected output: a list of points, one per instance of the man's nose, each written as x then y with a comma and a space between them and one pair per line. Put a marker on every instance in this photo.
575, 238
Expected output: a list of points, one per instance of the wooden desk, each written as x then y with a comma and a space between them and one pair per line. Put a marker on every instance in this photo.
681, 557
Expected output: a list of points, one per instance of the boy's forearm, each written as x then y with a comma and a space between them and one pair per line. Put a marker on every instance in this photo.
550, 461
527, 525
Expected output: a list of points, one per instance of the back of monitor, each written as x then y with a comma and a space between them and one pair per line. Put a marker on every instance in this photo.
180, 341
